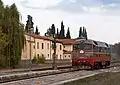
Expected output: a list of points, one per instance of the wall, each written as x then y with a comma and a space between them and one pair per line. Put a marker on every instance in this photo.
59, 52
36, 49
68, 47
67, 56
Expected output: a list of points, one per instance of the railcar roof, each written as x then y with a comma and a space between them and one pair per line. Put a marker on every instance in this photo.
96, 43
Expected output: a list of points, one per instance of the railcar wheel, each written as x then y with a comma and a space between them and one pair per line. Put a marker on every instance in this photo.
75, 67
92, 68
96, 65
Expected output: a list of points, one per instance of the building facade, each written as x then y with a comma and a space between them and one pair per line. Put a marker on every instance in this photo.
41, 45
68, 47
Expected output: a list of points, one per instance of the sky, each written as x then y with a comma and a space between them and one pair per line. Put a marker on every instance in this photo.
101, 18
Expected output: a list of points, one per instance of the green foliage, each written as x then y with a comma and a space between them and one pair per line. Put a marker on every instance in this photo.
68, 34
29, 24
51, 31
80, 32
116, 50
83, 33
36, 31
57, 32
2, 61
34, 60
48, 33
62, 31
41, 59
3, 40
12, 36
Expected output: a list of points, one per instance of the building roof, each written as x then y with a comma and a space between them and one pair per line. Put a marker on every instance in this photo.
96, 43
67, 41
44, 37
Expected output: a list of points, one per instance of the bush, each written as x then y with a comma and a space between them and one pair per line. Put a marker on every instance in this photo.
34, 60
2, 61
38, 59
41, 59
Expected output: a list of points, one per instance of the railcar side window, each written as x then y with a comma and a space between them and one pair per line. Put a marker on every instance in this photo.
95, 49
88, 47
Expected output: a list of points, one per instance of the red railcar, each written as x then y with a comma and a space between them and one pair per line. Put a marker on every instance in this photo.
91, 54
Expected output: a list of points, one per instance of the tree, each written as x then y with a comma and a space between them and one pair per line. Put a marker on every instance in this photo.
48, 33
36, 31
80, 32
68, 34
83, 33
58, 35
86, 35
17, 38
53, 29
12, 35
57, 32
116, 50
3, 40
29, 24
62, 31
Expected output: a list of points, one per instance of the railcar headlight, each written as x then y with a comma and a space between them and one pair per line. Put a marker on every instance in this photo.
81, 51
84, 61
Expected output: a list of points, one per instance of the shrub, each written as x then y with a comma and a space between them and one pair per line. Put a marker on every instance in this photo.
2, 61
34, 60
41, 59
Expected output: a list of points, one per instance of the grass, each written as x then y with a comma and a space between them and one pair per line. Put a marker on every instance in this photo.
99, 79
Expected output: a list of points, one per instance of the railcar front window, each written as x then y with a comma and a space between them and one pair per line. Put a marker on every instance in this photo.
78, 46
75, 47
88, 47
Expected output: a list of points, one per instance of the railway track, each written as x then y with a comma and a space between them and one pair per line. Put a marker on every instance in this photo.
37, 73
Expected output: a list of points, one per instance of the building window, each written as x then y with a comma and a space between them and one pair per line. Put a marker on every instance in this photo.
65, 55
42, 46
60, 47
60, 57
37, 45
34, 46
48, 55
69, 55
48, 45
64, 46
37, 55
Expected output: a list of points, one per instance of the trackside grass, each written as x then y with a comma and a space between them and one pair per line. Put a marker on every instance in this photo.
99, 79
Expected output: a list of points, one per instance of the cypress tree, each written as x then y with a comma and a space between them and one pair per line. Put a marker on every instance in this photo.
36, 31
57, 32
53, 29
86, 35
62, 31
83, 33
48, 33
68, 34
29, 24
80, 32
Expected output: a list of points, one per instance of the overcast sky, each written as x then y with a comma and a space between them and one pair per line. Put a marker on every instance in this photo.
100, 17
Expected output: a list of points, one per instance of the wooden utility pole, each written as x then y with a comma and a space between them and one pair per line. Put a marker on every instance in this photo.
30, 28
30, 54
54, 54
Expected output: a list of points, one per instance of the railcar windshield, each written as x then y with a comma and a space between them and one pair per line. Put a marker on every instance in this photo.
82, 46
